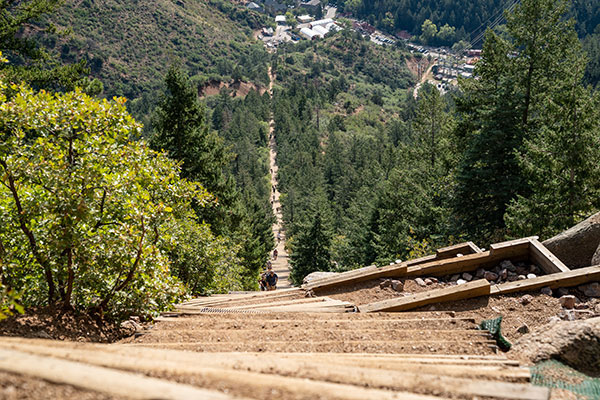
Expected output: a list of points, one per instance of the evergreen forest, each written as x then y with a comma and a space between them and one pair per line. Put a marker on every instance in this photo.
124, 188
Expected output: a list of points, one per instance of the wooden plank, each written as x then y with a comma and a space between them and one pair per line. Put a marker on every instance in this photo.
543, 257
278, 303
512, 243
557, 280
206, 302
421, 260
456, 265
516, 250
468, 290
177, 364
346, 274
100, 379
461, 248
387, 271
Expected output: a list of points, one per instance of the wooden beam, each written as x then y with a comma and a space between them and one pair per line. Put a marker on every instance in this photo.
342, 275
321, 386
468, 290
455, 265
461, 248
100, 379
209, 301
278, 303
387, 271
543, 257
513, 250
557, 280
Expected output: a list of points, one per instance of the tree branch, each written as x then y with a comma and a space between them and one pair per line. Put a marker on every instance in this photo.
129, 277
30, 236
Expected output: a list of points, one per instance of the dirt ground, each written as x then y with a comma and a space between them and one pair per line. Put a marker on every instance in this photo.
541, 310
17, 387
51, 323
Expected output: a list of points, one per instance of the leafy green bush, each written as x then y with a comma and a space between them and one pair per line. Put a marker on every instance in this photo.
86, 212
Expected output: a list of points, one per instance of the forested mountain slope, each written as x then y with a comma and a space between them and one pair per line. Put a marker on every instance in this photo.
130, 44
467, 17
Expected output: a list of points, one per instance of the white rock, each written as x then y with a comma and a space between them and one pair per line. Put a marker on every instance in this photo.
460, 281
420, 282
531, 276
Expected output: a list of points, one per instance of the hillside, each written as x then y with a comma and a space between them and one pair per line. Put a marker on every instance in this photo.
130, 44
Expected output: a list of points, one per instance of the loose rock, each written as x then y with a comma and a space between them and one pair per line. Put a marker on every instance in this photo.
567, 301
531, 276
566, 315
467, 277
591, 290
454, 278
521, 277
562, 291
526, 299
479, 273
420, 282
490, 276
534, 269
504, 274
386, 283
397, 285
512, 277
461, 281
547, 291
523, 329
428, 281
506, 264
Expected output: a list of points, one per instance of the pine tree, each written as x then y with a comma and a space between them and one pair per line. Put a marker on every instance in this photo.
311, 251
505, 106
180, 129
561, 164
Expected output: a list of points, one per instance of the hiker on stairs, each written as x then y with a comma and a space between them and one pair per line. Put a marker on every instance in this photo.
271, 279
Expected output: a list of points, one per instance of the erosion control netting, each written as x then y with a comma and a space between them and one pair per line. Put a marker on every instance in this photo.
493, 326
554, 374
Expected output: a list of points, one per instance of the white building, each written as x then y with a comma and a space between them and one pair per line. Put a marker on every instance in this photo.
304, 19
280, 19
320, 30
321, 22
308, 33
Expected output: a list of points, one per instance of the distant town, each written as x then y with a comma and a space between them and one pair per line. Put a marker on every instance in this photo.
310, 20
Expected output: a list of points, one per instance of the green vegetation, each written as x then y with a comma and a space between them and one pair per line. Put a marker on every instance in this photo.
239, 214
31, 62
129, 45
509, 153
529, 126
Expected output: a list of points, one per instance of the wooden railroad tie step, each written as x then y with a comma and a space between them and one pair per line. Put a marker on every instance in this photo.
328, 380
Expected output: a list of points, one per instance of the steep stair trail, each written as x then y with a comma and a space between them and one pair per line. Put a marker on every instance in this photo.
281, 264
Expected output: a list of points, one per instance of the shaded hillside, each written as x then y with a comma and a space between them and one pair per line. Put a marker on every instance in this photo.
129, 44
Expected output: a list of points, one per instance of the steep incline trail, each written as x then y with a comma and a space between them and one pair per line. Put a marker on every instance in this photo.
281, 264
